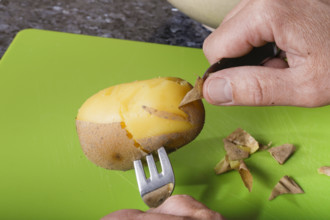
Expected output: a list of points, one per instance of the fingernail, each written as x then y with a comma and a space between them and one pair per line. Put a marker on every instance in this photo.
219, 91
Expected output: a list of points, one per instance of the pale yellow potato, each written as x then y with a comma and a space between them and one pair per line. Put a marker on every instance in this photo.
125, 122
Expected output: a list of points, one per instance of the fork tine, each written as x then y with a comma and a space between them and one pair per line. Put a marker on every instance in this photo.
165, 164
140, 175
152, 167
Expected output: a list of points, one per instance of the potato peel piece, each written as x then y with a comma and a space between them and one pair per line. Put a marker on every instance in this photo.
226, 165
158, 196
282, 153
235, 152
246, 175
196, 93
286, 185
324, 170
241, 137
164, 114
223, 166
238, 146
265, 146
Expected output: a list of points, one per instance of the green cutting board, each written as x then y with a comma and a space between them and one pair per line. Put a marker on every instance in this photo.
46, 76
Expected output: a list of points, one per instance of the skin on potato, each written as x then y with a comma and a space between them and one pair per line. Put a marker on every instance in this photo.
107, 145
126, 122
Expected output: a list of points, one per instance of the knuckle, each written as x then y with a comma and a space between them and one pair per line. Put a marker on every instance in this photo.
272, 10
261, 5
268, 4
180, 199
267, 7
257, 92
206, 46
207, 214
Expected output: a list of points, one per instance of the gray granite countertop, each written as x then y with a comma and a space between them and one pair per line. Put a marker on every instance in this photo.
141, 20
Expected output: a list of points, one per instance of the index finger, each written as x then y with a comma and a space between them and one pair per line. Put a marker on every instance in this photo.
249, 28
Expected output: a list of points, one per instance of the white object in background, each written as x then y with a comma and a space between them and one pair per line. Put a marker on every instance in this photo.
207, 12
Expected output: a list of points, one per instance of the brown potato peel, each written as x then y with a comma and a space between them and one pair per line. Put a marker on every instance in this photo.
286, 185
158, 196
324, 170
109, 152
225, 165
282, 153
235, 152
242, 138
238, 146
265, 146
164, 114
246, 176
196, 93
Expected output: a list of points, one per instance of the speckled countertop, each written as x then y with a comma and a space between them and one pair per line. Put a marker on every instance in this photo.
141, 20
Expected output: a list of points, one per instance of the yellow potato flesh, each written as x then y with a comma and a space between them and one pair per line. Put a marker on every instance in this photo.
124, 103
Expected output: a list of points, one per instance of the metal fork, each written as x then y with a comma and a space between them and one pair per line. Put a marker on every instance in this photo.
156, 189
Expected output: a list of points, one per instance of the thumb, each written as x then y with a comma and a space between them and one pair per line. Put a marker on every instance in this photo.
256, 86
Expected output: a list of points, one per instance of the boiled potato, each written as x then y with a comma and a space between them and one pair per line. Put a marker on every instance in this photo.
126, 122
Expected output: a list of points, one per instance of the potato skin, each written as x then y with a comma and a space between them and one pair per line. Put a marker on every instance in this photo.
107, 145
111, 146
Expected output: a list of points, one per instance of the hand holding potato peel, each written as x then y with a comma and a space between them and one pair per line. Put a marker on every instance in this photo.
257, 56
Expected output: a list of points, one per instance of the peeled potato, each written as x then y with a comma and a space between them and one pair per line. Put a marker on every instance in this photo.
126, 122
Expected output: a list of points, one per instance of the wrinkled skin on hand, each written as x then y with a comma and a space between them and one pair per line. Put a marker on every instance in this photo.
177, 207
300, 28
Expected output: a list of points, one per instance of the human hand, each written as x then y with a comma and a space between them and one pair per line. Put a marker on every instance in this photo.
300, 28
177, 207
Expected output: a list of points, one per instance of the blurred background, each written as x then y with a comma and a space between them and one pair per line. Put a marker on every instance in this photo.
140, 20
